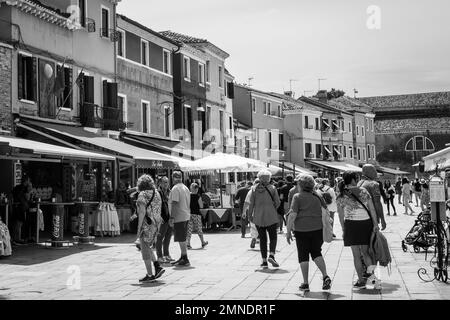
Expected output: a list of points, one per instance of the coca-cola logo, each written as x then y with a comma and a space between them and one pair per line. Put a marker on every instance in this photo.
56, 226
81, 223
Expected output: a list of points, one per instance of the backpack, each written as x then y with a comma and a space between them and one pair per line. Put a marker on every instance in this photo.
379, 249
326, 196
164, 208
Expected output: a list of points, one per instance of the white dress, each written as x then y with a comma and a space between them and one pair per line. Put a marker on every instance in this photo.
5, 240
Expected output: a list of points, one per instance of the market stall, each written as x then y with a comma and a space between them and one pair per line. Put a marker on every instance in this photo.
223, 163
58, 176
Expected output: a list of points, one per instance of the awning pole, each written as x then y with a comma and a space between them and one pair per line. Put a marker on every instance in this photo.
220, 188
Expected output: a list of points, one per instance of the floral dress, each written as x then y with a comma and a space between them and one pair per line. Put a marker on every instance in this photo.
150, 227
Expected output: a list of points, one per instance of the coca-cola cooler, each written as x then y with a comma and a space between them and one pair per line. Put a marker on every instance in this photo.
83, 209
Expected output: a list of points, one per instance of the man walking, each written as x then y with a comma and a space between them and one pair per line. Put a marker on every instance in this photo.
165, 231
368, 182
180, 214
417, 191
241, 194
284, 194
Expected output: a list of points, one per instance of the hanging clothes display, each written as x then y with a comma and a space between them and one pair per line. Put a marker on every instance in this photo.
5, 240
107, 220
41, 220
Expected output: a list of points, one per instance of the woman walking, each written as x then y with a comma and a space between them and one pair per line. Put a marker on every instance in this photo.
149, 214
360, 220
305, 220
390, 194
195, 223
264, 202
406, 192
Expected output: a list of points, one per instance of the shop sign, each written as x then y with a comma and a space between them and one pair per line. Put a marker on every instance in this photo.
157, 164
437, 190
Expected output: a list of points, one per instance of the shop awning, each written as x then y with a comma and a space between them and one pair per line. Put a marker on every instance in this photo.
326, 123
337, 151
298, 169
160, 145
18, 148
392, 171
335, 165
142, 158
440, 158
326, 149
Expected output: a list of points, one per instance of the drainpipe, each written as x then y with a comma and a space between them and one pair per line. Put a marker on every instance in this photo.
115, 42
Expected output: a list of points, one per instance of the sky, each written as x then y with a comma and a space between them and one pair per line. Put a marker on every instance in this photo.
401, 47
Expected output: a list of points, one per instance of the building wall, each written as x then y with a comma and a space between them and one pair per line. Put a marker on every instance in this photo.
5, 88
242, 109
54, 44
394, 134
138, 84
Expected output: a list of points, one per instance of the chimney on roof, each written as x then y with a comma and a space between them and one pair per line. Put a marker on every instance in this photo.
289, 94
322, 96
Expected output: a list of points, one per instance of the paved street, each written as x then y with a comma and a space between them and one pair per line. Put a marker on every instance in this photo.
226, 269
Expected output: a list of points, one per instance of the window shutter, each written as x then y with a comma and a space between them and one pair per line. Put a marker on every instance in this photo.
69, 81
105, 94
89, 89
35, 76
230, 90
20, 76
112, 95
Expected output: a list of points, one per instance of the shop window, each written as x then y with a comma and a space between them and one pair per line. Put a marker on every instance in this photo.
27, 73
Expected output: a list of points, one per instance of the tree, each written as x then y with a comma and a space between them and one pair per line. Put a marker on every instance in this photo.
333, 94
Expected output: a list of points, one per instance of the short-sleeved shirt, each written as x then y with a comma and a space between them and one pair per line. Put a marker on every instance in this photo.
309, 212
180, 203
353, 210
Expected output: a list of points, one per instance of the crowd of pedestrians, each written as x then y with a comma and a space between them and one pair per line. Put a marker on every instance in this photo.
303, 205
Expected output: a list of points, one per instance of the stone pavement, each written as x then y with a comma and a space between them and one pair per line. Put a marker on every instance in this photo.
226, 269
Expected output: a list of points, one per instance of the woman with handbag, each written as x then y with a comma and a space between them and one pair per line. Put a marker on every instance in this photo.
360, 220
149, 214
264, 202
305, 220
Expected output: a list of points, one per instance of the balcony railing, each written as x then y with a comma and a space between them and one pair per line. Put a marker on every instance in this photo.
95, 116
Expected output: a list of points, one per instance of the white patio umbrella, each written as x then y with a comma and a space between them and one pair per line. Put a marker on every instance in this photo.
225, 163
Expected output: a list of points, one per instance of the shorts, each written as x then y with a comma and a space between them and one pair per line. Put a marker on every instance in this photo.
309, 243
180, 230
